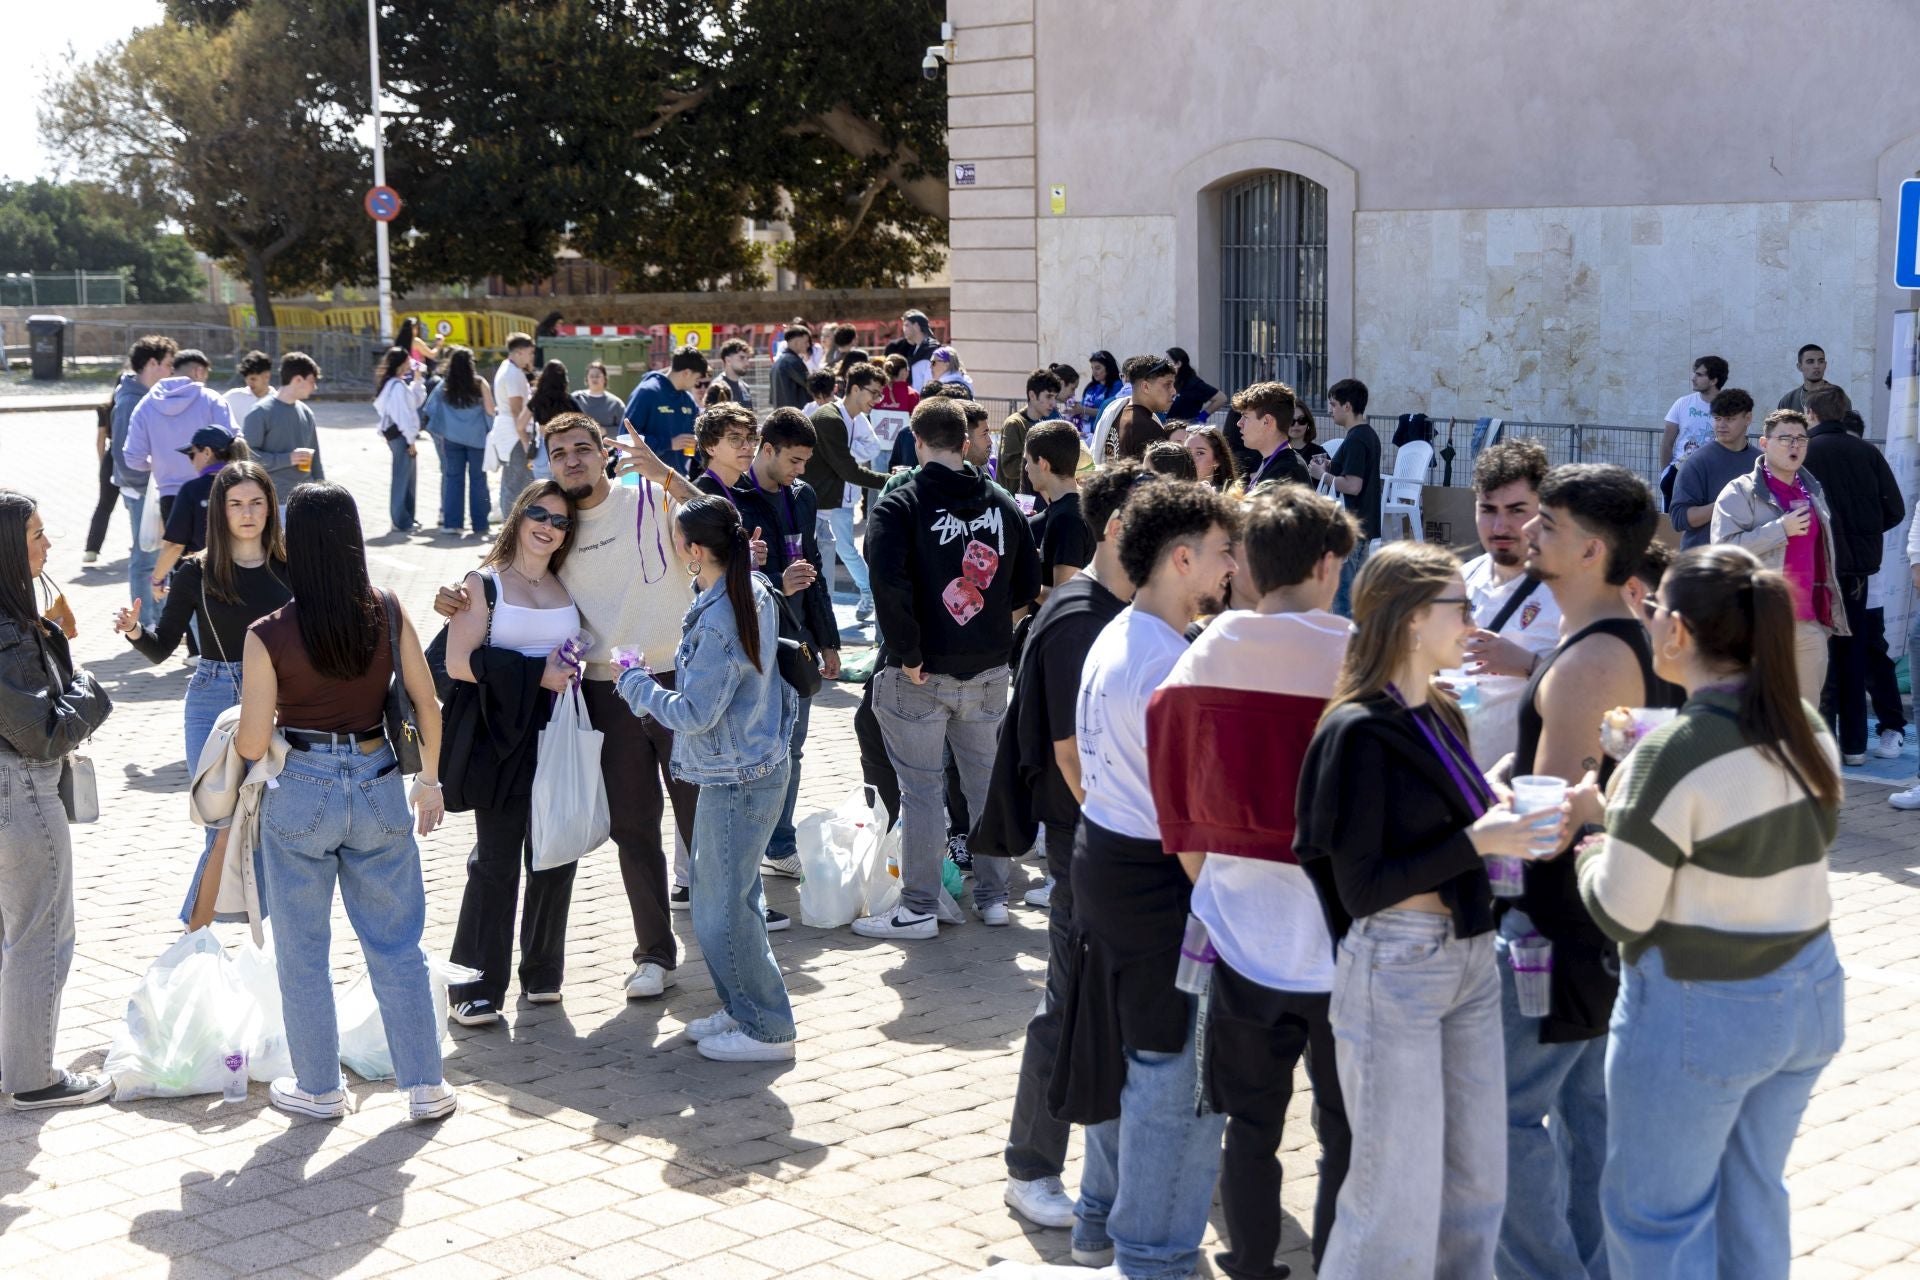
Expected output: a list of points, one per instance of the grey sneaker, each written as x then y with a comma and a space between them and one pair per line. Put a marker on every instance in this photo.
788, 866
863, 611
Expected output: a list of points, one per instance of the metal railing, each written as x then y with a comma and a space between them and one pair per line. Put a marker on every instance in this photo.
346, 359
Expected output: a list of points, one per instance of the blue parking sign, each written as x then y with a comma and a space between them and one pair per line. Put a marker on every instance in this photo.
1906, 251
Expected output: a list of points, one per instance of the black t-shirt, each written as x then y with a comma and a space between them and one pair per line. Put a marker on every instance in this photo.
223, 626
1062, 536
1187, 404
187, 522
1360, 456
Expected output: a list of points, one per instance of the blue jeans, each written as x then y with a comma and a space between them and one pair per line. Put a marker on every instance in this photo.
400, 488
730, 829
140, 564
212, 688
1147, 1183
465, 469
1706, 1083
846, 546
1556, 1143
340, 815
783, 843
1349, 570
1416, 1022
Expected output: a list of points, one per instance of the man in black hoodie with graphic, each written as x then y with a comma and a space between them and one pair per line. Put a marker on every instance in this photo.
952, 562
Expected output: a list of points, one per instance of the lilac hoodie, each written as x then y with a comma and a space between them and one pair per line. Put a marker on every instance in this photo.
164, 422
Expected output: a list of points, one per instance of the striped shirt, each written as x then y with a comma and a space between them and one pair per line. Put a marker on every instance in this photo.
1714, 853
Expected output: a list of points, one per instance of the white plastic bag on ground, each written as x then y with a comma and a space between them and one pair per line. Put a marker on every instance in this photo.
268, 1057
188, 1012
363, 1036
569, 794
883, 882
151, 525
838, 850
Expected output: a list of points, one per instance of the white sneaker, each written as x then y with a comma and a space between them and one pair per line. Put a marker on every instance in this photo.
89, 557
1908, 799
1093, 1257
737, 1046
788, 866
898, 924
432, 1101
1041, 897
648, 981
1043, 1201
714, 1024
286, 1094
1851, 758
1892, 742
995, 915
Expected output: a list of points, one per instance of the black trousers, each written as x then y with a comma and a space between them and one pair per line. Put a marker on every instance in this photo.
483, 939
634, 759
1036, 1142
1847, 662
103, 506
1255, 1036
876, 768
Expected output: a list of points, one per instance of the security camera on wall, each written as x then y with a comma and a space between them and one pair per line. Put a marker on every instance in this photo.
930, 65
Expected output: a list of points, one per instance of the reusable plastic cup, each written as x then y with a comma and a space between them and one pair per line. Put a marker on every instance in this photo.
1532, 960
1508, 875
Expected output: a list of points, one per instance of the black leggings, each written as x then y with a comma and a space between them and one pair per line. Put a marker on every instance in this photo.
103, 506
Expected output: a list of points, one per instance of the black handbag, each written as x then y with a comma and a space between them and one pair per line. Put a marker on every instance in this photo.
799, 664
461, 714
403, 728
443, 684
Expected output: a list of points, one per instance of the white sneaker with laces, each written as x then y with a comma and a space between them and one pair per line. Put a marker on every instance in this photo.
1908, 799
287, 1095
1042, 1201
649, 980
432, 1101
995, 915
1041, 897
714, 1024
899, 924
1892, 742
788, 866
737, 1046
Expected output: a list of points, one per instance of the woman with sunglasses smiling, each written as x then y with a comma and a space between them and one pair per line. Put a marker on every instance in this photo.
1416, 996
512, 644
1302, 435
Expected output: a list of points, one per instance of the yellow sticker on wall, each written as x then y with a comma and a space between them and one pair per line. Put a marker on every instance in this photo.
1057, 197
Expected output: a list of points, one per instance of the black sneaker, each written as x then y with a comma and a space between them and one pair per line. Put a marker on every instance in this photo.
957, 850
72, 1089
475, 1013
778, 920
680, 898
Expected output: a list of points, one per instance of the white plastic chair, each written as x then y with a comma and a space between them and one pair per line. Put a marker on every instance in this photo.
1401, 493
1325, 487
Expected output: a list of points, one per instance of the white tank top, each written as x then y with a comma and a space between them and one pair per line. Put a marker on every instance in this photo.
534, 633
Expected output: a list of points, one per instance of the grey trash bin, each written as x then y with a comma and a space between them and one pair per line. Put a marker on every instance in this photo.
47, 343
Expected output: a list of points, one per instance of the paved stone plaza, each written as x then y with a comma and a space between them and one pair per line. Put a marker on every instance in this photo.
592, 1140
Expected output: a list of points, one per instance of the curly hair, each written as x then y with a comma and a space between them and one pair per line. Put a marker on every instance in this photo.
1501, 464
1163, 516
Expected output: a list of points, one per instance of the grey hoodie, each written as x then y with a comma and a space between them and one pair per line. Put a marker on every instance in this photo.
127, 393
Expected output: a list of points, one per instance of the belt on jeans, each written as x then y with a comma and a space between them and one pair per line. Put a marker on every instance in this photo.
368, 740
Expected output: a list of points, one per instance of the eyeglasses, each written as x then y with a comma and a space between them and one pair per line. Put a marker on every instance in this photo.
703, 384
738, 439
1788, 439
540, 515
1466, 605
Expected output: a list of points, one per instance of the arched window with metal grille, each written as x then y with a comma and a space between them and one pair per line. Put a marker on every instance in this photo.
1273, 284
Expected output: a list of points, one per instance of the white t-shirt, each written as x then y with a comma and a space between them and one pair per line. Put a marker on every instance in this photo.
1494, 724
509, 380
862, 445
1694, 416
240, 402
1126, 664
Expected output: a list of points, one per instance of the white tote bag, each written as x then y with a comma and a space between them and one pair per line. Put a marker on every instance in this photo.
569, 795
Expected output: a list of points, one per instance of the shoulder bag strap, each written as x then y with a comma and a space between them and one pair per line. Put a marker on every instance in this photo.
1513, 604
208, 614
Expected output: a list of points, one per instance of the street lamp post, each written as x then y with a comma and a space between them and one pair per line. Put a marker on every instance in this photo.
381, 253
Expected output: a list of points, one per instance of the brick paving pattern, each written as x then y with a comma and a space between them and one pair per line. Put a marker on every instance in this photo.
593, 1140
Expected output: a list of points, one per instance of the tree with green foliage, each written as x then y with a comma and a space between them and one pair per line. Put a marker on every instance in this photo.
46, 226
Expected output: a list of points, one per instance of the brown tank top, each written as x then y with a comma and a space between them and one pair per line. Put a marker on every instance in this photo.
309, 700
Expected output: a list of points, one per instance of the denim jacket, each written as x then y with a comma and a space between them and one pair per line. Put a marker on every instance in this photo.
36, 720
730, 723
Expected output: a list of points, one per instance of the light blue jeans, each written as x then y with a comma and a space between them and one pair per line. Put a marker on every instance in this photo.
1556, 1143
783, 843
212, 688
400, 488
140, 564
1147, 1183
36, 919
846, 546
1706, 1083
1416, 1018
920, 722
340, 815
731, 826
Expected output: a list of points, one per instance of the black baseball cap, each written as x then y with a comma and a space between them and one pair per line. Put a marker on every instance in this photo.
216, 438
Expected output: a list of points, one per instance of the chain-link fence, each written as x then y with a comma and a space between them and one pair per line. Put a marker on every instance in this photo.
346, 359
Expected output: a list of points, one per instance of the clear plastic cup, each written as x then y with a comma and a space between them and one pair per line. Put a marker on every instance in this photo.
1508, 875
1532, 960
1535, 792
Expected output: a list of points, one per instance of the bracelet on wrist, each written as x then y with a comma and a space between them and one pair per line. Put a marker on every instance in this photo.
422, 782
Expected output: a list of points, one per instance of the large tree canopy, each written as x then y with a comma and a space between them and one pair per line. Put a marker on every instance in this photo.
640, 132
46, 226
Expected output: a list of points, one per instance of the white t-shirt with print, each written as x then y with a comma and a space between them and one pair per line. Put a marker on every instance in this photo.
1493, 725
1694, 416
1126, 664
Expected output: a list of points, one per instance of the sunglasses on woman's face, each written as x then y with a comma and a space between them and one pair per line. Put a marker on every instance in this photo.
540, 515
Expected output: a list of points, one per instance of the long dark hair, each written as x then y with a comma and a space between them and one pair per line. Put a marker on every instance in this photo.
507, 541
714, 524
1226, 472
408, 332
461, 386
1112, 367
391, 364
1741, 615
550, 396
1182, 367
16, 579
339, 613
216, 562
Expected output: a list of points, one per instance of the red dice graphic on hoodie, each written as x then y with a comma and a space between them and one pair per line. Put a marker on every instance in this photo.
963, 600
979, 564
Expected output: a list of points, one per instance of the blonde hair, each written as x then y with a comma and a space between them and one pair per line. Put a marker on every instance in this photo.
1395, 584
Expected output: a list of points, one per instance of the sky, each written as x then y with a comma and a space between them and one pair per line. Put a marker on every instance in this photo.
39, 45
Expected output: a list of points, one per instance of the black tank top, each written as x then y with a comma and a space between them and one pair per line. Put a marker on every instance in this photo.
1629, 632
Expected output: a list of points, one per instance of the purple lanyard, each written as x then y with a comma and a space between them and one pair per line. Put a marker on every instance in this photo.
640, 533
793, 516
1475, 796
725, 492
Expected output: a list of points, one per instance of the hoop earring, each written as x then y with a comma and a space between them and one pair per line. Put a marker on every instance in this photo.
693, 568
